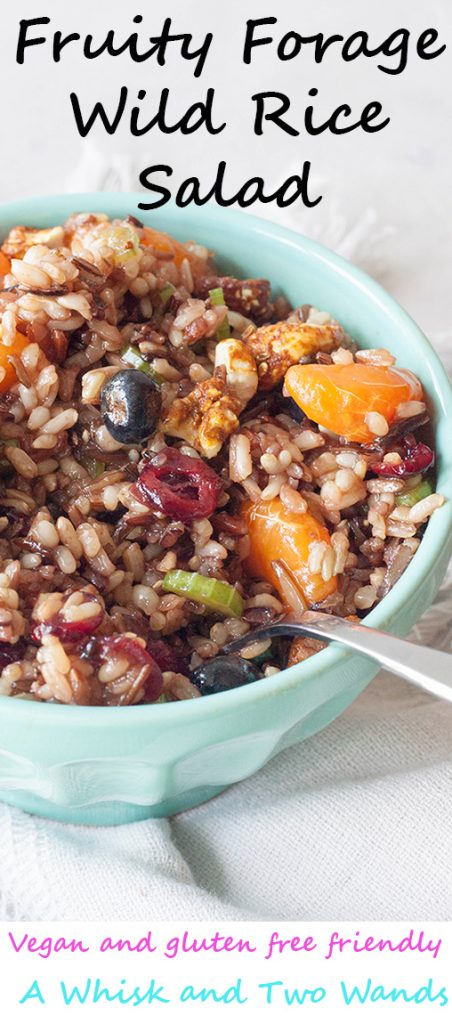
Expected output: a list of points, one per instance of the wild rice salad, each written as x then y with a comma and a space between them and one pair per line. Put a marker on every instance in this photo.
182, 457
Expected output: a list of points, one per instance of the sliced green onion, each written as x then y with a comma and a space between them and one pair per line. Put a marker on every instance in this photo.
411, 496
93, 466
216, 296
132, 356
223, 331
215, 594
166, 294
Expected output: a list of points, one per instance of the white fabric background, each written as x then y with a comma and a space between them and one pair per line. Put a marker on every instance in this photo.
355, 822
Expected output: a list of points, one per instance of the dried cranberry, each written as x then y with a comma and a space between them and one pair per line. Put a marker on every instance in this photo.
167, 659
111, 646
179, 486
418, 458
69, 631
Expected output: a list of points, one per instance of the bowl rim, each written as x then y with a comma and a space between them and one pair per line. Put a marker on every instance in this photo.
430, 550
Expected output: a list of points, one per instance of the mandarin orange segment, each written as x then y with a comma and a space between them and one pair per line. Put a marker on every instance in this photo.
5, 266
275, 533
9, 376
164, 245
339, 397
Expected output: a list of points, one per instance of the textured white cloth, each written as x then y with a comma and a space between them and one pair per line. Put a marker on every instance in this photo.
355, 823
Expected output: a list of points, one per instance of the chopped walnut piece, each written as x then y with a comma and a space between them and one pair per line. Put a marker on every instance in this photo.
303, 647
276, 347
251, 298
21, 238
206, 417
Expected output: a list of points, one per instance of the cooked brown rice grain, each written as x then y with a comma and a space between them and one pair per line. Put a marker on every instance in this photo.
108, 333
88, 540
341, 548
65, 560
264, 600
365, 597
106, 441
328, 564
424, 508
273, 487
420, 511
387, 485
324, 464
179, 687
407, 409
68, 536
219, 633
393, 458
285, 458
113, 670
145, 598
157, 622
360, 469
317, 551
345, 479
81, 612
376, 356
53, 647
167, 563
240, 464
164, 368
336, 499
347, 460
22, 462
400, 529
377, 576
115, 580
292, 500
306, 440
133, 559
8, 327
9, 597
296, 472
198, 373
254, 650
270, 463
342, 356
29, 275
377, 424
45, 442
30, 561
38, 416
139, 287
63, 421
47, 534
93, 382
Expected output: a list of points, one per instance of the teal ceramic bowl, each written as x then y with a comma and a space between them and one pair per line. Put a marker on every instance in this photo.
114, 765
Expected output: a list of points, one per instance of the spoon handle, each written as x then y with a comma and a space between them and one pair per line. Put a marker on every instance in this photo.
423, 666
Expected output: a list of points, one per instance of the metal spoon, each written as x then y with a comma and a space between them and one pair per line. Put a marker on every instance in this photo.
428, 669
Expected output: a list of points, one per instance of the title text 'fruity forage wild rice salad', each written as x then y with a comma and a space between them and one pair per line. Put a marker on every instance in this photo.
166, 434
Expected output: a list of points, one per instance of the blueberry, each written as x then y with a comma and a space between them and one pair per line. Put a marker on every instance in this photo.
224, 673
130, 404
